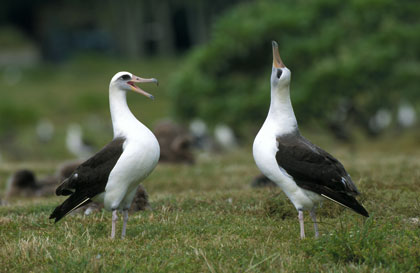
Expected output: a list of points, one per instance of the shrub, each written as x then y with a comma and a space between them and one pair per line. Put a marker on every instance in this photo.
362, 52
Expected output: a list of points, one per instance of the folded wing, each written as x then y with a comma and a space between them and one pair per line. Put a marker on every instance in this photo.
89, 179
316, 170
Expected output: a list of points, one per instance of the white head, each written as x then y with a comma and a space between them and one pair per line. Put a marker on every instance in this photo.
280, 75
125, 81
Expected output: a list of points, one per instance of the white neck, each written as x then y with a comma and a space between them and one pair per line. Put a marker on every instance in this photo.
123, 120
281, 111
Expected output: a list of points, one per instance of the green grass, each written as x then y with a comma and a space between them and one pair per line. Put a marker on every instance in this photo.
206, 218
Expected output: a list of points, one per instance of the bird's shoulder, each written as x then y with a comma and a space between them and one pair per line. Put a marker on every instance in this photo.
108, 153
300, 149
98, 167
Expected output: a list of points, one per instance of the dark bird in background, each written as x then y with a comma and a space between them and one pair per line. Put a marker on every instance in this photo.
24, 183
262, 181
175, 143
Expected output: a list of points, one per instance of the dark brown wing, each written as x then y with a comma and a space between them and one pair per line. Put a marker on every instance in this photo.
316, 170
89, 179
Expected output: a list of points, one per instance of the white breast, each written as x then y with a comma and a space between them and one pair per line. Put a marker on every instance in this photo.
139, 158
264, 152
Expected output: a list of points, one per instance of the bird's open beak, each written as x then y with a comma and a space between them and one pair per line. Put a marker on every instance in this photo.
137, 89
277, 62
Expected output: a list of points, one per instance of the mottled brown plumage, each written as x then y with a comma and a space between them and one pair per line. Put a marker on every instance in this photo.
175, 143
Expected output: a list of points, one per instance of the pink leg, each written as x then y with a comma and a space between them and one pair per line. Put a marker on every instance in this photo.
302, 228
313, 215
114, 221
125, 219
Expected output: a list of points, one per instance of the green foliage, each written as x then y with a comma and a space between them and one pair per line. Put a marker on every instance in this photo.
363, 52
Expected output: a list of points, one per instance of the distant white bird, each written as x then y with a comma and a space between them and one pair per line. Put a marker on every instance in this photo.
45, 130
225, 137
114, 173
306, 173
201, 138
406, 115
198, 128
380, 120
75, 143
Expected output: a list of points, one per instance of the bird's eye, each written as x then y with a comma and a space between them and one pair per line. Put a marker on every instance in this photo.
125, 77
279, 72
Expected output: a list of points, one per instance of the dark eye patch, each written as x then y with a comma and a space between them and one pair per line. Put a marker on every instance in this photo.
125, 77
279, 72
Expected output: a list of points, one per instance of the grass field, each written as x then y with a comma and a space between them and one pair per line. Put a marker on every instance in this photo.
206, 218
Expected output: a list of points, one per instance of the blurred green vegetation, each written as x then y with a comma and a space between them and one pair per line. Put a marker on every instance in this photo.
362, 53
73, 92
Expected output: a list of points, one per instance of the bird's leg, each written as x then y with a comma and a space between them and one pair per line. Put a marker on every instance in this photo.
125, 219
302, 228
114, 221
313, 215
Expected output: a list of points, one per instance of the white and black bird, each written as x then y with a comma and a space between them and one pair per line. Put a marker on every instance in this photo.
306, 173
113, 174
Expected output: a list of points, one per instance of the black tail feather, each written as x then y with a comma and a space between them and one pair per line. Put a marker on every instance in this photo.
75, 201
348, 202
340, 198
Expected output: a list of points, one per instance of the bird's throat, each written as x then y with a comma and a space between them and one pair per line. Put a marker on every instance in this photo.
122, 118
281, 109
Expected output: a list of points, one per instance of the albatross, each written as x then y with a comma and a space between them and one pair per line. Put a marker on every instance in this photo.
306, 173
112, 176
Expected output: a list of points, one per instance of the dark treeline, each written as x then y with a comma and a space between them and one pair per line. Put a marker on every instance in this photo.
131, 28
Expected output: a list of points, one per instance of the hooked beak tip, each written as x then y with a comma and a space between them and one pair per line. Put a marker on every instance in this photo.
274, 43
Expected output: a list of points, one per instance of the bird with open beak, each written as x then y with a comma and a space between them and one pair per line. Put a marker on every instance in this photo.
113, 175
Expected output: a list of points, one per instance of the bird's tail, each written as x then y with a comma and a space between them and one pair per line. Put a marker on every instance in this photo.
342, 198
347, 201
75, 201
